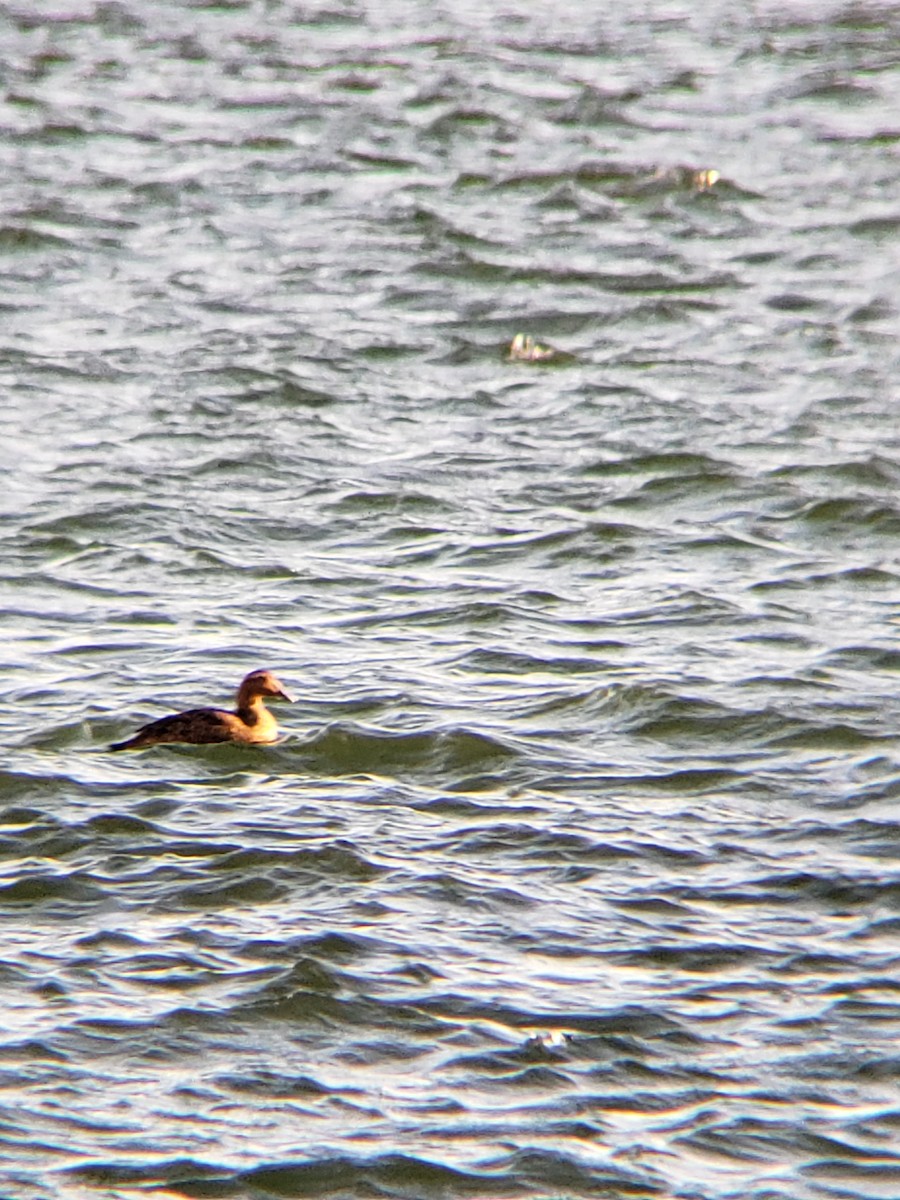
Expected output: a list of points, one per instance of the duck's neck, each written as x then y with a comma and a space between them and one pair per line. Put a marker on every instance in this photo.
252, 710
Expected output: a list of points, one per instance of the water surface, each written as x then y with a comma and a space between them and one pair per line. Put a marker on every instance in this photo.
576, 873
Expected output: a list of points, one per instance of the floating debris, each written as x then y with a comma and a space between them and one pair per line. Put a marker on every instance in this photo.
701, 180
523, 348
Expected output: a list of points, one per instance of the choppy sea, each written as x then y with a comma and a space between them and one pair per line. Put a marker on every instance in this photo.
519, 384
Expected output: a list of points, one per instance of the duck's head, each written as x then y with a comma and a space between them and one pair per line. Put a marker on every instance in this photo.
262, 683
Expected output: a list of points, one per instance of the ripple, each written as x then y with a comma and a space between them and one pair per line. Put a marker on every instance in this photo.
350, 749
45, 889
384, 1175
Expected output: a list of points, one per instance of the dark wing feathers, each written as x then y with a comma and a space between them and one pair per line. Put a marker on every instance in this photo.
197, 725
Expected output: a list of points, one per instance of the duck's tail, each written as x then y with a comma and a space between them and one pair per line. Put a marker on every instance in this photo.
131, 743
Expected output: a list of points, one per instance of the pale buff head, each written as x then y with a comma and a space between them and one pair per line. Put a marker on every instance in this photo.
261, 683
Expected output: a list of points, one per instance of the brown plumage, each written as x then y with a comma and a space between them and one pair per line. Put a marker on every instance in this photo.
251, 722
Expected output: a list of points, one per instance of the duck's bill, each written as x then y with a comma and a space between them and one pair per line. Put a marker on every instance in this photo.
284, 694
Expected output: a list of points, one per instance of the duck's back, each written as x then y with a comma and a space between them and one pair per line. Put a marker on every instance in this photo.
197, 725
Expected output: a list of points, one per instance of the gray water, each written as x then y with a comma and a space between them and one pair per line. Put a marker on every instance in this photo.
577, 872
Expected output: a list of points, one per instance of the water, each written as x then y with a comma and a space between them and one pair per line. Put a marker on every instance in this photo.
577, 871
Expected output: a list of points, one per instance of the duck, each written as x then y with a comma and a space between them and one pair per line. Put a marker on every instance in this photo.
251, 722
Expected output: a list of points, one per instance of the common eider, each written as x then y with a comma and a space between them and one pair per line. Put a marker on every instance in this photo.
251, 722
